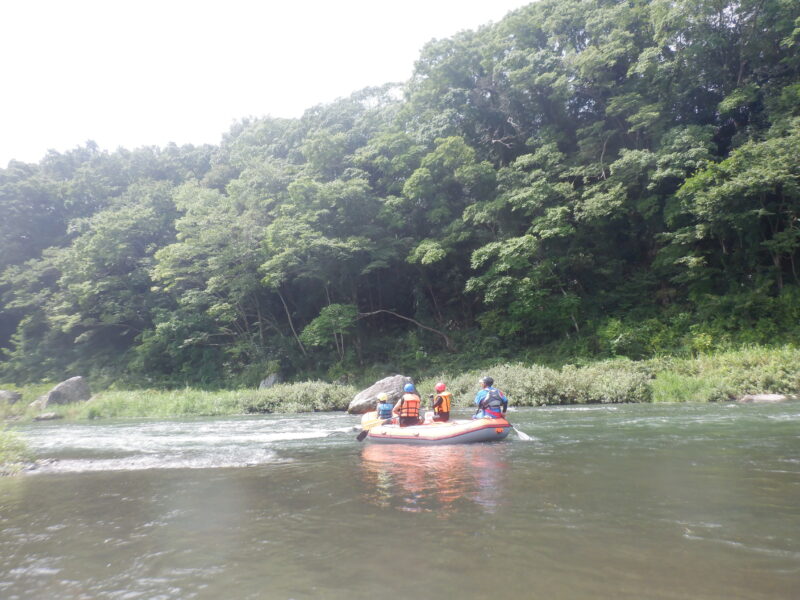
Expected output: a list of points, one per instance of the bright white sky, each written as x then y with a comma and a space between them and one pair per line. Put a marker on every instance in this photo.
132, 73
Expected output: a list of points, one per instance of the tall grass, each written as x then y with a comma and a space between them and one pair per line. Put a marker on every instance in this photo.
606, 382
296, 397
21, 408
704, 378
725, 376
13, 452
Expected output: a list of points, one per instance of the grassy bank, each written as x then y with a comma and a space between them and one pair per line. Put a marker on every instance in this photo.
704, 378
13, 452
714, 377
307, 396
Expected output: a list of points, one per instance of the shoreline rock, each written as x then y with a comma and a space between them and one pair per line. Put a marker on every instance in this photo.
74, 389
10, 397
49, 416
764, 398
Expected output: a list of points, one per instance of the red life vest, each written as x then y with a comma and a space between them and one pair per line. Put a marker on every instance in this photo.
410, 406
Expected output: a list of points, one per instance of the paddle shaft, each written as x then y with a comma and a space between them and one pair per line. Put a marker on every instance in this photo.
363, 433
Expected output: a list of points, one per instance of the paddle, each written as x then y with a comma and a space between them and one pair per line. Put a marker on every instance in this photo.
522, 435
369, 425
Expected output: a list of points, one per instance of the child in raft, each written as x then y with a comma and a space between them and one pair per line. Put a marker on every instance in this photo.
384, 408
441, 403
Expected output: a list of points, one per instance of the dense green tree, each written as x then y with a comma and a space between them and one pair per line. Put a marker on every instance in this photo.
607, 176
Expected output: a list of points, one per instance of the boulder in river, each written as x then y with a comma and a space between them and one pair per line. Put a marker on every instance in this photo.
365, 400
763, 398
10, 397
74, 389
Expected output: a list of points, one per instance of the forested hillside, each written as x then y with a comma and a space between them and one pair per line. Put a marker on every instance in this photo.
584, 178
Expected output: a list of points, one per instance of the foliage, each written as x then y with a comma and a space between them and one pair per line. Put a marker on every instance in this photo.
720, 376
298, 397
307, 396
727, 375
13, 452
603, 382
585, 179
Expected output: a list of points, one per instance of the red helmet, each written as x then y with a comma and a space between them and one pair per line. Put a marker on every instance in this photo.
440, 387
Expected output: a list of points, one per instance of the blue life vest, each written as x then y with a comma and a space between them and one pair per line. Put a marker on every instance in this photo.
385, 410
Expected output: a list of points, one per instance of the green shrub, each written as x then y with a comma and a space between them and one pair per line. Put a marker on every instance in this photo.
605, 382
29, 394
297, 397
669, 386
13, 452
306, 396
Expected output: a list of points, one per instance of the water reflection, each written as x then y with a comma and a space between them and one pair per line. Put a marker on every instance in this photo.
439, 479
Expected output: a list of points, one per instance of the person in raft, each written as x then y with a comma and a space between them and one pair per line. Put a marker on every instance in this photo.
491, 402
407, 408
441, 403
384, 407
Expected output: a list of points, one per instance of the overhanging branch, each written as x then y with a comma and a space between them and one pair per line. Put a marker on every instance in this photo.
447, 341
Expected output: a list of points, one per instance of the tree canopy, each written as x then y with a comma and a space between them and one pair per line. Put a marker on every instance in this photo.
583, 177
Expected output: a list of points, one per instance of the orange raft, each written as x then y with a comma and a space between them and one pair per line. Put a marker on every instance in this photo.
452, 432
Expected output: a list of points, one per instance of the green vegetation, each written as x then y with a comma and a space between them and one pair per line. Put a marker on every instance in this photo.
723, 376
296, 397
715, 377
583, 181
13, 452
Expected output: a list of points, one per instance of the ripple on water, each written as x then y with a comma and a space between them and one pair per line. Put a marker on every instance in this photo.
144, 445
161, 461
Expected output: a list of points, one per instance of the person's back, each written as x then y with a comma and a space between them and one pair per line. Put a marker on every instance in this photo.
384, 407
441, 403
407, 408
491, 402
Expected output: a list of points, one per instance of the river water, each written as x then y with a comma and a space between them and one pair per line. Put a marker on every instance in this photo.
618, 502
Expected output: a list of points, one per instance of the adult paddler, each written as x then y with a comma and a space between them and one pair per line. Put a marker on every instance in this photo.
407, 408
441, 403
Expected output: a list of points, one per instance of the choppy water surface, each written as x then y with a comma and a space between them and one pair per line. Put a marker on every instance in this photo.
636, 501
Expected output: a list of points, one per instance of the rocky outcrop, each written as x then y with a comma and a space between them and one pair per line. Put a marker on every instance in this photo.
269, 381
365, 400
10, 397
764, 398
75, 389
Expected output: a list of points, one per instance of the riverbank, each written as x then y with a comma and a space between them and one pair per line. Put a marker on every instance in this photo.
14, 453
704, 378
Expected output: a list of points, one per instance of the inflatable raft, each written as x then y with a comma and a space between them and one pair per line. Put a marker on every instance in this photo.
452, 432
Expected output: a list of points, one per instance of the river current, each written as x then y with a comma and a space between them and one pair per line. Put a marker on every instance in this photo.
631, 502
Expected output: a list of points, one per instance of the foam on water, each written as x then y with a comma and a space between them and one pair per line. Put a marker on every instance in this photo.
194, 444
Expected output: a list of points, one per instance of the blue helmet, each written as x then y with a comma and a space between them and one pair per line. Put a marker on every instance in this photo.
409, 387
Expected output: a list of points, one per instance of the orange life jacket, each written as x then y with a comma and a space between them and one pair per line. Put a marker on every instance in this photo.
447, 399
410, 406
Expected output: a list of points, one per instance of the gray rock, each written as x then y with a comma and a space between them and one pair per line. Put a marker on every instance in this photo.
269, 381
50, 416
763, 398
74, 389
10, 397
366, 400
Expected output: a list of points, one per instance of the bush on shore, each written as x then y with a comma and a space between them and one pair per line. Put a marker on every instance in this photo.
725, 376
704, 378
606, 382
13, 452
308, 396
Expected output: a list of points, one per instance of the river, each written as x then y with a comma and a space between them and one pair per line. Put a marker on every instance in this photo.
617, 502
